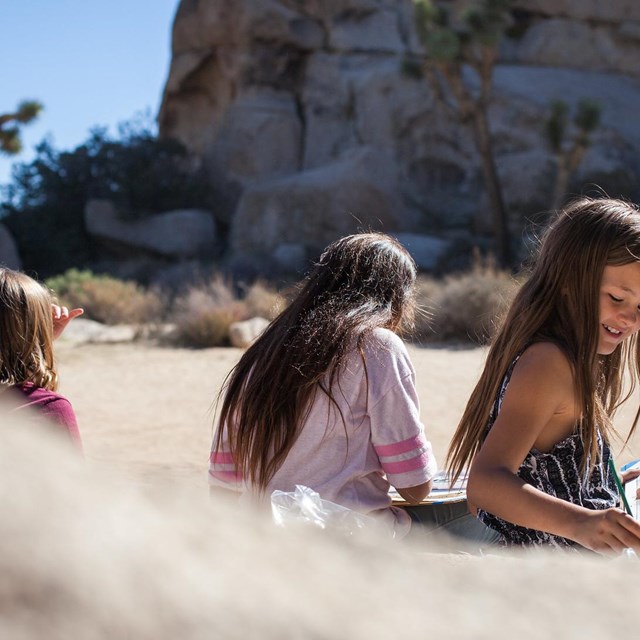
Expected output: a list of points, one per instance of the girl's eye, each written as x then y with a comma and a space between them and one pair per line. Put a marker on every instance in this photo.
614, 298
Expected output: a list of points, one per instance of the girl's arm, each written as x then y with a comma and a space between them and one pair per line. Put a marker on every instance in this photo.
538, 411
414, 495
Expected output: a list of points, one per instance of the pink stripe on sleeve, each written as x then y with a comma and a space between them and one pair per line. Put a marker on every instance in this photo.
221, 457
226, 476
384, 450
403, 466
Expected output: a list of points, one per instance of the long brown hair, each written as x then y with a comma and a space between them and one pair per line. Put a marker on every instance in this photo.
26, 332
360, 283
560, 303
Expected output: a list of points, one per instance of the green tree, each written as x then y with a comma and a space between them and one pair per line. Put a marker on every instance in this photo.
10, 123
43, 205
569, 139
453, 41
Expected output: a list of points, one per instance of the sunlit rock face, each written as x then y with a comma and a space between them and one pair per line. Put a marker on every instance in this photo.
266, 93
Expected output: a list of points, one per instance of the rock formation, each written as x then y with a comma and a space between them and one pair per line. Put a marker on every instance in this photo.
301, 110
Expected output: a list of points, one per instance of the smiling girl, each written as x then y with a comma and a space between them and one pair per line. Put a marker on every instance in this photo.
536, 430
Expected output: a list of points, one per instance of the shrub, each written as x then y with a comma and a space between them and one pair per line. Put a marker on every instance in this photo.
107, 299
44, 204
263, 301
467, 306
205, 312
427, 290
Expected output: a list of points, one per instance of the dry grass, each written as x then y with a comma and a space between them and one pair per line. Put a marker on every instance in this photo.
263, 301
464, 307
108, 300
205, 312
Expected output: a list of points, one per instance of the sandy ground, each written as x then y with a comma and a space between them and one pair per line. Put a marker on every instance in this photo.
130, 546
147, 410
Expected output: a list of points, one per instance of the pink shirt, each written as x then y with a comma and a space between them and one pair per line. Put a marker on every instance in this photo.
54, 407
382, 443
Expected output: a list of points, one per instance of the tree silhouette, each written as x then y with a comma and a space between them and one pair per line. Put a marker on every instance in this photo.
10, 123
569, 140
453, 42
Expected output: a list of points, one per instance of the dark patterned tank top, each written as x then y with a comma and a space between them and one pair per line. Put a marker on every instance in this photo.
556, 473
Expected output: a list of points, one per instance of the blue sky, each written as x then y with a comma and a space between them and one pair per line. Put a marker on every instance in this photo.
90, 62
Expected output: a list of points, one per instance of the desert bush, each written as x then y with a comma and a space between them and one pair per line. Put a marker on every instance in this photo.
107, 299
204, 313
262, 300
43, 206
466, 306
427, 290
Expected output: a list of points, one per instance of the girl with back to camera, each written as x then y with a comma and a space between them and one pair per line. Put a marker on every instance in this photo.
326, 397
29, 322
536, 430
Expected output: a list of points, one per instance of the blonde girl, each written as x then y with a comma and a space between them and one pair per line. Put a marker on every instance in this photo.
29, 322
538, 425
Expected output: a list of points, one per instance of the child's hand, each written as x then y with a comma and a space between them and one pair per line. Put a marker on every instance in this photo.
62, 317
608, 531
629, 474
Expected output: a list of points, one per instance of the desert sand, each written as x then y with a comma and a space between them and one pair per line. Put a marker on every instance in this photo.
127, 544
147, 410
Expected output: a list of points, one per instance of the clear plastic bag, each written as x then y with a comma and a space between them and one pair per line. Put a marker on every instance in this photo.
306, 506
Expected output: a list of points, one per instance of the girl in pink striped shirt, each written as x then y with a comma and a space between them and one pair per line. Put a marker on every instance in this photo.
326, 396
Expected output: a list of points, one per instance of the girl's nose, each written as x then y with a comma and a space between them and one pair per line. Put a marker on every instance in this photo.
630, 319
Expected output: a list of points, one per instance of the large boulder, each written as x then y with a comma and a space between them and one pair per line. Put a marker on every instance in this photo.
377, 30
427, 251
560, 42
273, 95
319, 205
617, 94
220, 48
351, 100
617, 11
260, 136
326, 97
291, 257
177, 234
242, 334
83, 330
199, 25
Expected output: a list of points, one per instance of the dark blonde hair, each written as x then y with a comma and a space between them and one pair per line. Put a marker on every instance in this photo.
26, 332
361, 282
560, 303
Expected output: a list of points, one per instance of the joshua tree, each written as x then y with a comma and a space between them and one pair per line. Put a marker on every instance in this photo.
10, 142
568, 142
469, 39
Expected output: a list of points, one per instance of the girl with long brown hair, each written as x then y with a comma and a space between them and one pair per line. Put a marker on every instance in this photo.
325, 397
537, 428
29, 323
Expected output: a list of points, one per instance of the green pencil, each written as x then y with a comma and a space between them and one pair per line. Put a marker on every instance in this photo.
623, 495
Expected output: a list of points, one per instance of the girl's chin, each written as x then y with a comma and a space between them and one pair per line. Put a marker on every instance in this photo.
607, 349
608, 343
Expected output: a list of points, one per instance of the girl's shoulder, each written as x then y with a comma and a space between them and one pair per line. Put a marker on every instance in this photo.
39, 394
545, 350
385, 354
385, 337
545, 361
384, 340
